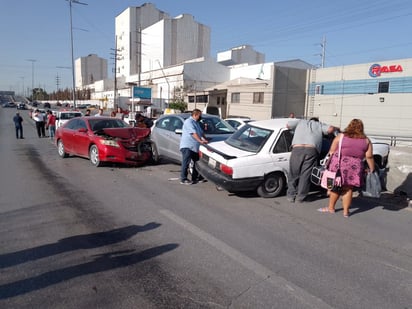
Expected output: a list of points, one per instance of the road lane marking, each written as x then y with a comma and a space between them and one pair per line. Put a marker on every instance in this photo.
261, 271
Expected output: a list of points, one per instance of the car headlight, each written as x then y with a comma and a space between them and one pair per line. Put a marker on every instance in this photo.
108, 142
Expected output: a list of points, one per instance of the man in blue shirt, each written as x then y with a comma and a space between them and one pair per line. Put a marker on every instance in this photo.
18, 124
192, 137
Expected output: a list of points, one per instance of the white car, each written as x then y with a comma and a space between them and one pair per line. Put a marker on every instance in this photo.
238, 122
64, 116
256, 158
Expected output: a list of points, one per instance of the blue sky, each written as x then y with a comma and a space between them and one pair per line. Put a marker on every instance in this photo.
356, 31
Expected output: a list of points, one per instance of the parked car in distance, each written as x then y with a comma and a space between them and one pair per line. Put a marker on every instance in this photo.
167, 132
65, 115
21, 105
256, 158
46, 105
9, 105
237, 122
103, 139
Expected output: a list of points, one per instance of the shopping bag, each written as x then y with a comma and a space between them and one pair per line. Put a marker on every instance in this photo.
373, 187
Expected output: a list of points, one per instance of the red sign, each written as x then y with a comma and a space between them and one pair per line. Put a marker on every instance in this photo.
376, 69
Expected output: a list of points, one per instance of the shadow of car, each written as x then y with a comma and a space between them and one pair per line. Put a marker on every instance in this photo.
167, 132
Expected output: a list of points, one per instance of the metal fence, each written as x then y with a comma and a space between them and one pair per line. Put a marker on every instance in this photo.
393, 140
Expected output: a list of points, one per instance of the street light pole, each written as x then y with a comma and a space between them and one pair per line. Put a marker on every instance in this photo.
32, 77
72, 49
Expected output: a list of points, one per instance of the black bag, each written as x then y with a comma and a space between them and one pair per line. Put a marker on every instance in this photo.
316, 175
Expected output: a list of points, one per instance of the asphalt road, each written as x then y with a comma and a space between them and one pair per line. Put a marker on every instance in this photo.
76, 236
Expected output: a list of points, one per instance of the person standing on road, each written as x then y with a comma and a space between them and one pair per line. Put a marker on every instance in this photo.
192, 137
87, 112
100, 113
39, 119
51, 124
355, 147
306, 148
18, 123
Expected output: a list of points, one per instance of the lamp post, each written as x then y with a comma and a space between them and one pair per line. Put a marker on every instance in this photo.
71, 45
22, 78
32, 77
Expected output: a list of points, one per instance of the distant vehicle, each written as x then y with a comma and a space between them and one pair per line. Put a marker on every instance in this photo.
167, 132
21, 105
46, 105
104, 139
34, 104
9, 105
64, 116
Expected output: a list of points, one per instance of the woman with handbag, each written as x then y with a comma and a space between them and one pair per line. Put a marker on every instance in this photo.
354, 147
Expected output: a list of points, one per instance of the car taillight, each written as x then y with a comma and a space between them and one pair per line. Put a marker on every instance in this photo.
226, 169
200, 154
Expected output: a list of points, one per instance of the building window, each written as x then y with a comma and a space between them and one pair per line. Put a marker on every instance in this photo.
257, 97
199, 99
383, 87
235, 97
319, 89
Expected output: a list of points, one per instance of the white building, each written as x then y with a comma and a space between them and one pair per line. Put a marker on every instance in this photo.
244, 54
379, 93
89, 70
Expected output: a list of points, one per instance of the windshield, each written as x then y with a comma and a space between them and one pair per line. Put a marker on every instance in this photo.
249, 138
100, 124
215, 125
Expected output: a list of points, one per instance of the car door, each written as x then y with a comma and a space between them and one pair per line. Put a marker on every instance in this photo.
67, 135
280, 153
80, 138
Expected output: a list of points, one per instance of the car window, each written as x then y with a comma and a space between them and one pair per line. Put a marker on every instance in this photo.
72, 125
100, 124
249, 138
284, 142
163, 123
215, 125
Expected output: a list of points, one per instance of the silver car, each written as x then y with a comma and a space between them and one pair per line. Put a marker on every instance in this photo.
167, 132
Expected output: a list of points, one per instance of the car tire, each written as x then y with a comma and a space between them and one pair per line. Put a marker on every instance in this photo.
155, 158
60, 149
94, 156
273, 185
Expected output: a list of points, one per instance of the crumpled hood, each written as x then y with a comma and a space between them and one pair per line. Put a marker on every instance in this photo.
128, 133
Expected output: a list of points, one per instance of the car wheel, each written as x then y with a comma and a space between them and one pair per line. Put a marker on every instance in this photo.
94, 156
60, 149
155, 159
272, 186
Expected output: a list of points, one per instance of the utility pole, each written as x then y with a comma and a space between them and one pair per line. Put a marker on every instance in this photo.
72, 49
116, 57
323, 45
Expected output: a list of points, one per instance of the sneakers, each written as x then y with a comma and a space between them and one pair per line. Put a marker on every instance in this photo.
202, 180
185, 182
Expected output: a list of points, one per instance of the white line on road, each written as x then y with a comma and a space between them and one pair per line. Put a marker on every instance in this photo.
306, 298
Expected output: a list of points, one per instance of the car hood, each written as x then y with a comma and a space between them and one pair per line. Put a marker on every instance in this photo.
226, 151
127, 133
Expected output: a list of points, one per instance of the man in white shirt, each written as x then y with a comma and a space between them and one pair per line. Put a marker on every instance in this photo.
39, 119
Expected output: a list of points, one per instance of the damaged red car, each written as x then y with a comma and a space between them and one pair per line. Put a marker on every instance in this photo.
104, 139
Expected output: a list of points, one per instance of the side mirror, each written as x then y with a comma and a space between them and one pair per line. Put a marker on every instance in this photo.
178, 131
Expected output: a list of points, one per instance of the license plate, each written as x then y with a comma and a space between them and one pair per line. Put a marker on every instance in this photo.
212, 162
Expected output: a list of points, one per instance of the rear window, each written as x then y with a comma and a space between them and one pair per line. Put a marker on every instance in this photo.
66, 116
249, 138
215, 125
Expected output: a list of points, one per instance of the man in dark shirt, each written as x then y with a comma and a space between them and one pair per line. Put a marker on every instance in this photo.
18, 123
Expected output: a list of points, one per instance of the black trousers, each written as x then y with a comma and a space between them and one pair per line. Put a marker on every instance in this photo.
19, 131
41, 131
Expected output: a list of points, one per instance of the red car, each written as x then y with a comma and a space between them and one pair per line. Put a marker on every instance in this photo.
104, 139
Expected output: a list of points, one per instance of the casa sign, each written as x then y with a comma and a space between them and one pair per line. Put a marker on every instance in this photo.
376, 70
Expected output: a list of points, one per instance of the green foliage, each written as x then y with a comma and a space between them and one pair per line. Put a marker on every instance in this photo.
178, 104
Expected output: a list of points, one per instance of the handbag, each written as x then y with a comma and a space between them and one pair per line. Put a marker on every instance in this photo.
333, 180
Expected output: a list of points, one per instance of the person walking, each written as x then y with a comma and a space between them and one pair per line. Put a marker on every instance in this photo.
18, 124
192, 137
355, 147
306, 148
39, 119
99, 113
51, 124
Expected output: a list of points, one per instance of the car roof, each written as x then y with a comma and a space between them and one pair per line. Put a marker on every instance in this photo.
187, 115
272, 124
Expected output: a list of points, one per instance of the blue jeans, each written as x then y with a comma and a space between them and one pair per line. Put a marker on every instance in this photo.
187, 156
52, 130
